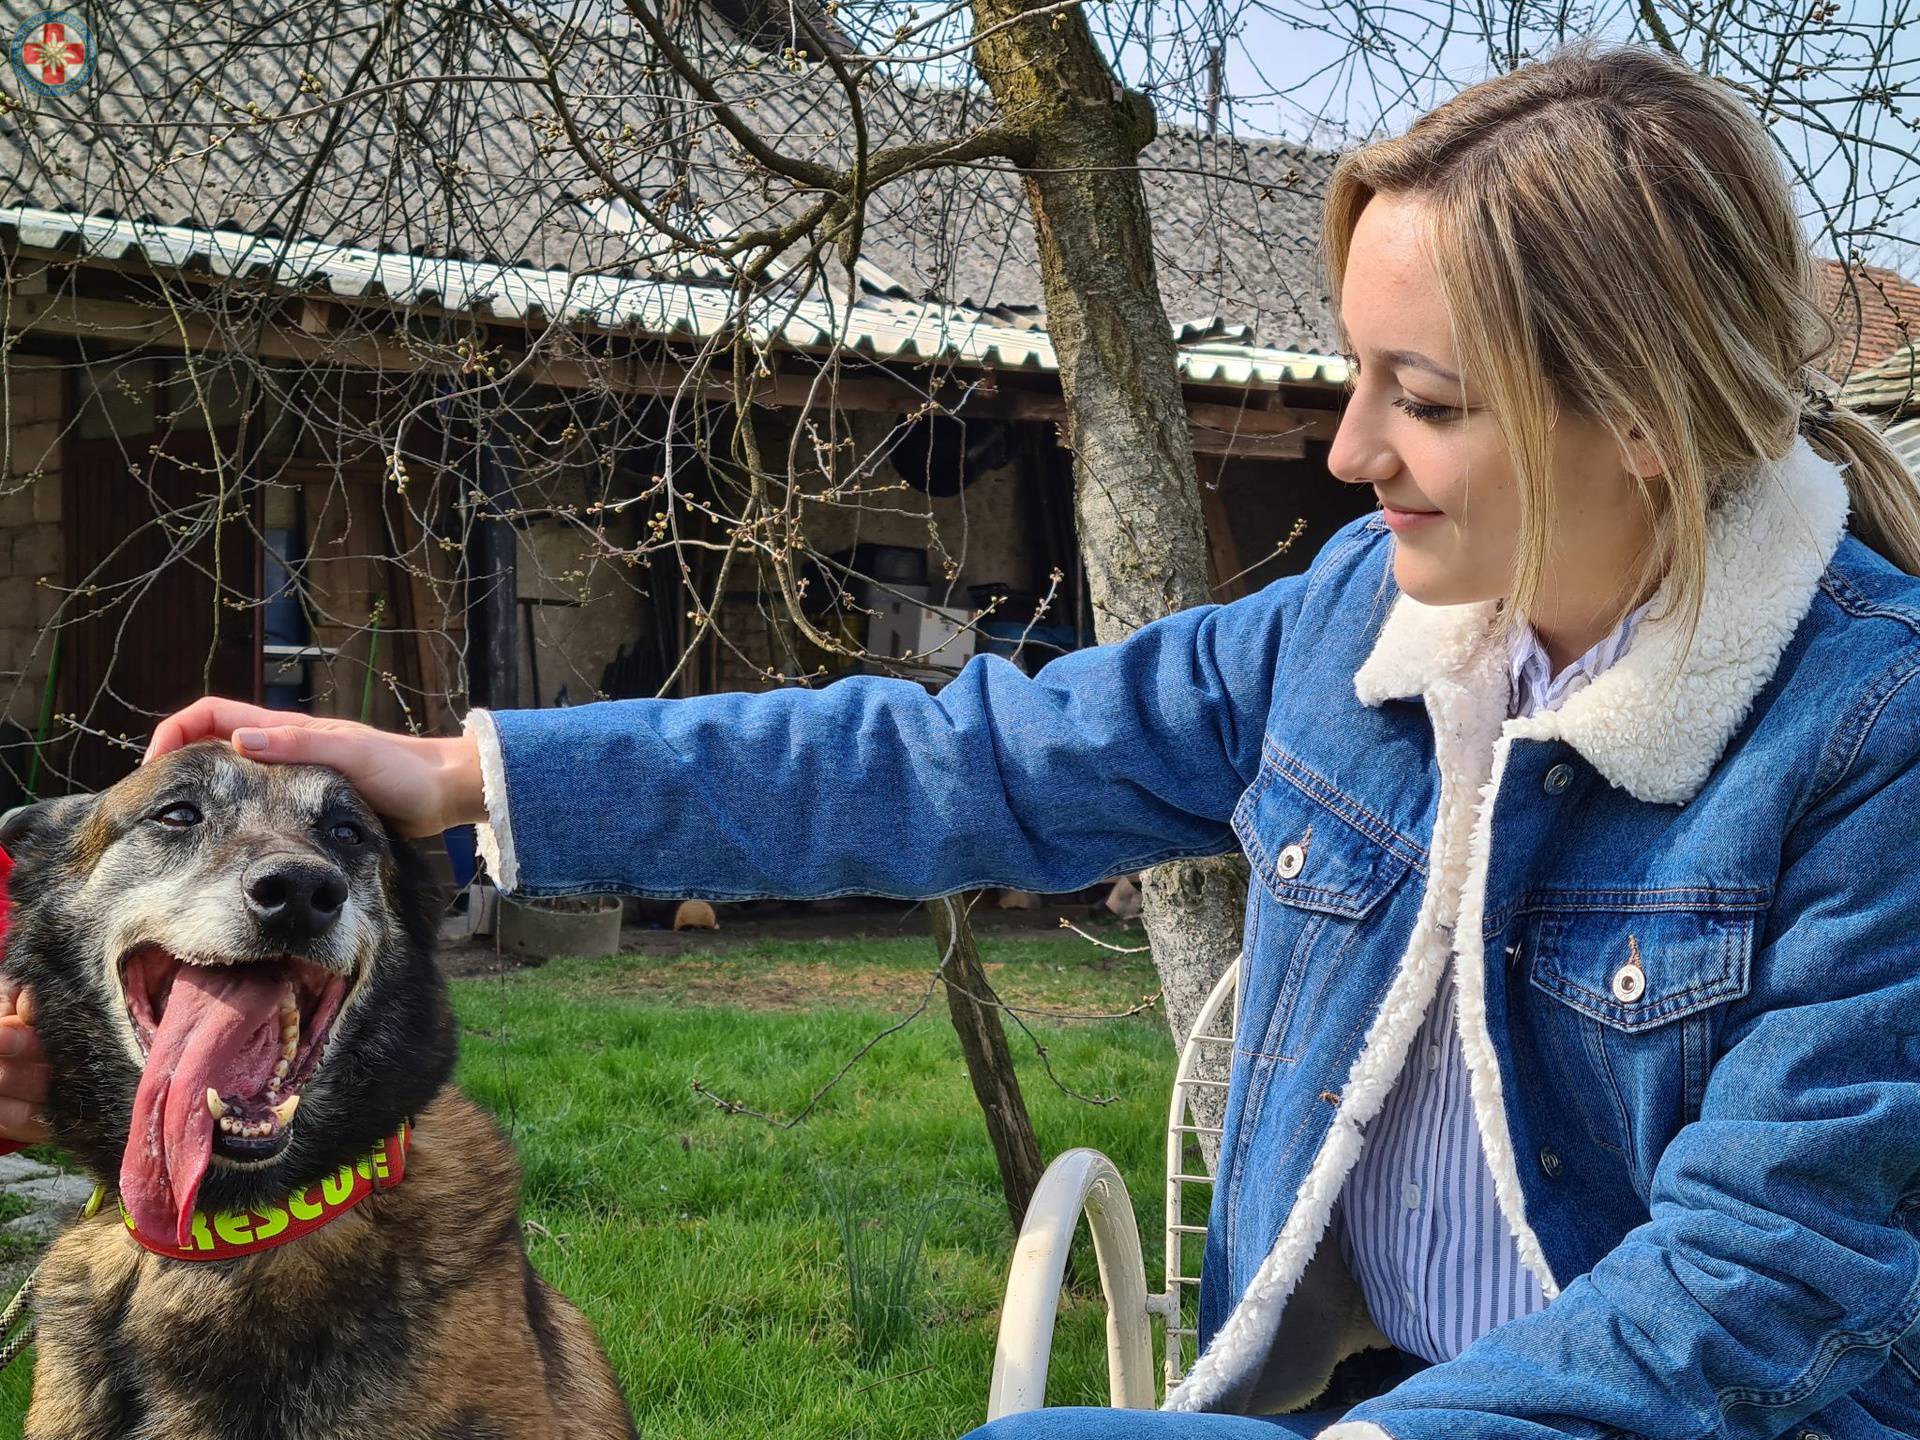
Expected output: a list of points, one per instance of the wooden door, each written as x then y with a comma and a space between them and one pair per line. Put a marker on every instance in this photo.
161, 574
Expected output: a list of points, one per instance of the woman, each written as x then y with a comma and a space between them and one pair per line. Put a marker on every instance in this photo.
1577, 1084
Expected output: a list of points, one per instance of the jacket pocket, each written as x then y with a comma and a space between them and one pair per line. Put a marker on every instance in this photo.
1640, 980
1634, 969
1321, 866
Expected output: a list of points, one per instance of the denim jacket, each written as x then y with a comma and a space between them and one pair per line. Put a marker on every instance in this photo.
1679, 910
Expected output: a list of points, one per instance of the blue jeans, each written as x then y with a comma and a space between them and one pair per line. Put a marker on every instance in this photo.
1361, 1377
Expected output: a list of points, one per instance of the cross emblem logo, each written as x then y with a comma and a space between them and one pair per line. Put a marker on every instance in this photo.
52, 51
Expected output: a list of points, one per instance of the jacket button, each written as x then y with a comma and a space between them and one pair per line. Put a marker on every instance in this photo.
1558, 778
1550, 1163
1629, 983
1287, 864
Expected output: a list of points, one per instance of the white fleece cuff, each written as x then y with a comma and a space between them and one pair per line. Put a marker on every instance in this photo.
1353, 1430
494, 835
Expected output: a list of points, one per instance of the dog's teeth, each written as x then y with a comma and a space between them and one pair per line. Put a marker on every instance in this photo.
289, 1047
283, 1112
215, 1103
280, 1069
230, 1125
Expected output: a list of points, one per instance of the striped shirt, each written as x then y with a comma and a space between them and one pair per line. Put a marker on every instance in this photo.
1418, 1222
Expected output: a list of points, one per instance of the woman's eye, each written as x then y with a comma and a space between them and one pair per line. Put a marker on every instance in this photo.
178, 817
347, 834
1420, 410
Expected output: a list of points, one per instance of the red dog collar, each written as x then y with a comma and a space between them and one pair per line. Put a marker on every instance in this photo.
233, 1233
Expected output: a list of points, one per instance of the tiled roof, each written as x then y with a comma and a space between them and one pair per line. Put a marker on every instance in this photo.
1891, 386
474, 170
1877, 310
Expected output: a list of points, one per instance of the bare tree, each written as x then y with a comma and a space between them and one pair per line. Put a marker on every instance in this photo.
578, 300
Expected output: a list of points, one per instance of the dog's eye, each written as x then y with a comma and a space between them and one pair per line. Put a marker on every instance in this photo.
178, 817
347, 833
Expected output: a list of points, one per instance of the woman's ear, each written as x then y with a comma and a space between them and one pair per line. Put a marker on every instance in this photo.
1639, 457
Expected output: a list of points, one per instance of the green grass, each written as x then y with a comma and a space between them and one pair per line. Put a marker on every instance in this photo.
704, 1246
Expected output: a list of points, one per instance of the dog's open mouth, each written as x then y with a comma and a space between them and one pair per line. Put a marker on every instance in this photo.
227, 1049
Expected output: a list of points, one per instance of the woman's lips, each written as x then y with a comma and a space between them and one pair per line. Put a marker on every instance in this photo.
1398, 520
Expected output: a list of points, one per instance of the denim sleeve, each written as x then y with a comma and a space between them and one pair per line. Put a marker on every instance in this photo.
1109, 759
1781, 1260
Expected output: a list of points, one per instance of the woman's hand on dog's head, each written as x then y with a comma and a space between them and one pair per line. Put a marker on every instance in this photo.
422, 784
23, 1069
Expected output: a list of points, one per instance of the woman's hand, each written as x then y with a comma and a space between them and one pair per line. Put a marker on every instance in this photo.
23, 1069
421, 784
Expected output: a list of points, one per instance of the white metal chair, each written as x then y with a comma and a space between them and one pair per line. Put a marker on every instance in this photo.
1086, 1182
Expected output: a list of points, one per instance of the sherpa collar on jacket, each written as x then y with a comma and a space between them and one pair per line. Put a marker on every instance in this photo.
1656, 723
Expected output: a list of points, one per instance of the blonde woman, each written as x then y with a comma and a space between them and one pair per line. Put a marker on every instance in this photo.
1577, 1084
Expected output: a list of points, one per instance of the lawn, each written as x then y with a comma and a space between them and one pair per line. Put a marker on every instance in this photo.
703, 1244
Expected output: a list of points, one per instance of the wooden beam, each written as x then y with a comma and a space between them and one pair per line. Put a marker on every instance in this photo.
1273, 432
314, 317
1223, 549
493, 590
1272, 420
1225, 444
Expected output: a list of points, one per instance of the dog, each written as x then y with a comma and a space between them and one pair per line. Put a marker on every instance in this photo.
316, 1236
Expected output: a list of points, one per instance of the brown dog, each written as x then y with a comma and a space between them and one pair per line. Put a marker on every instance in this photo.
316, 1236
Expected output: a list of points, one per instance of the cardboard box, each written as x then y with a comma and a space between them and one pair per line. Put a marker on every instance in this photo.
924, 636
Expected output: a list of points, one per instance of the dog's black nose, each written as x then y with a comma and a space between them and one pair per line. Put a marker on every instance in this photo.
296, 900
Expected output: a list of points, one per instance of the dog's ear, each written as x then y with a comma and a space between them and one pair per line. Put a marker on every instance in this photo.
35, 829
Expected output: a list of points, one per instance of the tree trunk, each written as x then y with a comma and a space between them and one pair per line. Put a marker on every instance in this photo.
1136, 496
983, 1040
1194, 910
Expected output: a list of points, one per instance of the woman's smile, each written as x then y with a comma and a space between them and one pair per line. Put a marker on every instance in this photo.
1402, 518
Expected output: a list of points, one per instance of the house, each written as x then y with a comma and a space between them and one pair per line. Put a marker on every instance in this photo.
390, 407
380, 406
1876, 309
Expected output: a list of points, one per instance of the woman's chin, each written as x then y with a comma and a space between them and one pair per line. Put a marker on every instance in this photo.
1426, 579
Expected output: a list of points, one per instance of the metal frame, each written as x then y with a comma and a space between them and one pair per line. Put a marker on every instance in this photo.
1085, 1182
1206, 1038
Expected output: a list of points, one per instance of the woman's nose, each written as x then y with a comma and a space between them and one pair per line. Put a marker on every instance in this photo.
1359, 454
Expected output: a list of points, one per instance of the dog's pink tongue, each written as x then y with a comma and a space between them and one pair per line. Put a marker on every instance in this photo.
220, 1030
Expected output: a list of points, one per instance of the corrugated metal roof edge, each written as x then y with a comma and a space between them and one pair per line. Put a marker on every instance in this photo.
884, 328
